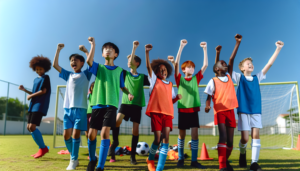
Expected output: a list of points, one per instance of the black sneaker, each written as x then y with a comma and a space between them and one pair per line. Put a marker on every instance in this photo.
242, 160
223, 169
255, 167
229, 167
197, 165
91, 166
180, 163
99, 169
133, 161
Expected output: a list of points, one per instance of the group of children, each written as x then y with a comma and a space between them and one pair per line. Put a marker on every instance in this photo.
103, 97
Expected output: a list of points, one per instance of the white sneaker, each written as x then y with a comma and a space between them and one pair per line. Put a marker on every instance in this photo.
96, 155
73, 164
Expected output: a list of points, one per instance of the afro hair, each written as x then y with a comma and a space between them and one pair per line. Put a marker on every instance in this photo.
157, 62
40, 61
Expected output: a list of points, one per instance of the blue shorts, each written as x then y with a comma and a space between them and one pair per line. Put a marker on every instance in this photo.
75, 118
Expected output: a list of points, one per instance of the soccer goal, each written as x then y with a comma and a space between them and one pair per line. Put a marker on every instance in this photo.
280, 119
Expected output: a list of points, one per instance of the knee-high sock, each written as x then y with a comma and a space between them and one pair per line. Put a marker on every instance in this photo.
92, 149
115, 133
152, 151
222, 148
255, 150
180, 148
194, 147
75, 148
134, 142
242, 148
38, 138
69, 145
162, 157
228, 152
103, 152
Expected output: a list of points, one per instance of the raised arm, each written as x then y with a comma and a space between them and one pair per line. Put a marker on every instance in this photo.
148, 47
218, 51
135, 45
55, 62
279, 45
90, 57
238, 39
21, 87
84, 50
205, 60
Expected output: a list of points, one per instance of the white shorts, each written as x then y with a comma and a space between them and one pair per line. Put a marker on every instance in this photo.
247, 121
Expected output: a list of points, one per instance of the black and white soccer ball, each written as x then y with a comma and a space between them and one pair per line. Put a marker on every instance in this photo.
174, 147
142, 148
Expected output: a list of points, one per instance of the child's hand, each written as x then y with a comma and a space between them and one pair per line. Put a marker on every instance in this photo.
29, 97
21, 88
60, 46
183, 42
136, 44
238, 37
279, 44
82, 48
91, 40
130, 97
203, 44
218, 48
207, 108
171, 59
148, 47
179, 96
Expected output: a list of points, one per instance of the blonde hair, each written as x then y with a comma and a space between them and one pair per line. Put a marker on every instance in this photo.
242, 62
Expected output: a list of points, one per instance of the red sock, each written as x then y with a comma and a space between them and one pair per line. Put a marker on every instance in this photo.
222, 148
228, 152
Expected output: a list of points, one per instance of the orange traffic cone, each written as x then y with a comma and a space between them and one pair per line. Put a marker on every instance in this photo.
298, 143
204, 153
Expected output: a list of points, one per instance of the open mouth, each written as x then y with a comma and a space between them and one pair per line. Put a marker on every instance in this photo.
73, 66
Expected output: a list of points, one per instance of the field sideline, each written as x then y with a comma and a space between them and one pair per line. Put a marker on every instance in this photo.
15, 154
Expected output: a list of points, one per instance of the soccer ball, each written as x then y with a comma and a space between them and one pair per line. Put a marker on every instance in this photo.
174, 147
142, 148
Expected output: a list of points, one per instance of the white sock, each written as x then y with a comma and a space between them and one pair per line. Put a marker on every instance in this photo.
255, 150
242, 148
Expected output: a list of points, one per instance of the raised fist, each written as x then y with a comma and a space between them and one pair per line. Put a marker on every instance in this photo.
207, 109
179, 96
60, 46
183, 42
91, 40
279, 44
148, 47
21, 88
136, 44
238, 37
171, 59
130, 97
218, 48
82, 48
203, 44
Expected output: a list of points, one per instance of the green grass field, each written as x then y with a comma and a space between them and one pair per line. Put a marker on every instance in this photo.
15, 154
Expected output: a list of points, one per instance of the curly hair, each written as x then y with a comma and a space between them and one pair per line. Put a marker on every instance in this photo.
157, 62
40, 61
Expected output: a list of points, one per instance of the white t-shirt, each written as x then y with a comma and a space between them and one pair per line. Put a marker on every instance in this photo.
152, 81
210, 87
237, 77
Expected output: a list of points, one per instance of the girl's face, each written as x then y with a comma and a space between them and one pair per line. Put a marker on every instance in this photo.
162, 72
39, 70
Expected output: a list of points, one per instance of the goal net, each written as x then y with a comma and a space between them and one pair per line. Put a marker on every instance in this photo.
280, 119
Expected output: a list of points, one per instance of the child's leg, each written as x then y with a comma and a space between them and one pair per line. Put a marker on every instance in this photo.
194, 144
76, 144
154, 145
230, 134
164, 149
104, 146
222, 147
181, 137
115, 132
255, 144
134, 140
37, 136
243, 141
68, 139
92, 142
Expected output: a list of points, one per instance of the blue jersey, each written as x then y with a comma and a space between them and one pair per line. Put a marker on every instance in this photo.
40, 103
248, 95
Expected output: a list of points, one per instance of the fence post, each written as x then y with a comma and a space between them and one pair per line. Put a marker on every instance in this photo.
6, 110
24, 114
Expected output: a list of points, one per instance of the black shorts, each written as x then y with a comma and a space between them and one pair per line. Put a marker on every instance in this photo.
133, 112
35, 118
188, 120
103, 117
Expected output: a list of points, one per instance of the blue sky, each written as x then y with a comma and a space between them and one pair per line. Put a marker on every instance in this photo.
29, 28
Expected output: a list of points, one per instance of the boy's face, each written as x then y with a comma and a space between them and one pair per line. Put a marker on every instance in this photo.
222, 66
188, 70
76, 64
39, 70
132, 65
109, 53
247, 66
162, 72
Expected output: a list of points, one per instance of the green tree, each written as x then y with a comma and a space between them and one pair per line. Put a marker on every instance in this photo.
15, 108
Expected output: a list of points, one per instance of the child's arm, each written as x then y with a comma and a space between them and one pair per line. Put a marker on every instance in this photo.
55, 62
183, 42
207, 108
90, 57
84, 50
21, 87
126, 91
238, 39
205, 60
39, 93
135, 45
178, 97
279, 45
148, 47
218, 51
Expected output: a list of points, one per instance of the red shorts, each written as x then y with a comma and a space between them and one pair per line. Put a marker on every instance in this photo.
160, 121
227, 117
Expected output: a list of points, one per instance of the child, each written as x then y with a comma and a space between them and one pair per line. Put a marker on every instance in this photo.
249, 110
135, 82
75, 102
221, 90
105, 100
189, 105
160, 107
40, 98
89, 110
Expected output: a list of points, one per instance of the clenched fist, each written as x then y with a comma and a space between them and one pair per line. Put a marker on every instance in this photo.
91, 40
238, 37
82, 48
21, 87
60, 46
207, 109
171, 59
136, 44
130, 97
218, 48
183, 42
203, 44
279, 44
148, 47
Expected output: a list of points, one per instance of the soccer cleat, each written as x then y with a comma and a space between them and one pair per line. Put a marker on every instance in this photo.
229, 167
112, 160
197, 165
255, 167
133, 161
242, 160
73, 164
91, 166
180, 163
223, 169
99, 169
41, 152
151, 166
